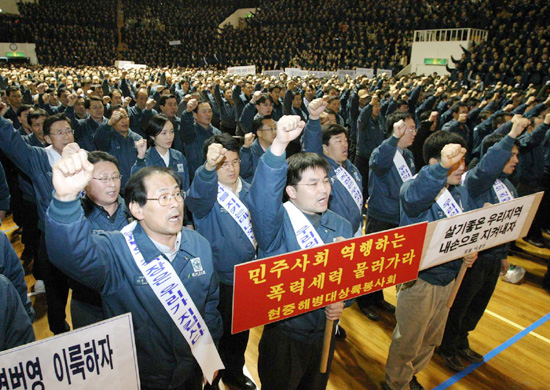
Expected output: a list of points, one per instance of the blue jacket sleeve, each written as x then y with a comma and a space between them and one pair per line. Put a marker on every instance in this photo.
482, 177
535, 111
4, 191
413, 99
10, 267
381, 160
15, 326
247, 163
418, 194
312, 140
102, 137
187, 129
287, 103
237, 101
73, 248
528, 141
17, 150
140, 163
247, 117
203, 192
265, 201
364, 117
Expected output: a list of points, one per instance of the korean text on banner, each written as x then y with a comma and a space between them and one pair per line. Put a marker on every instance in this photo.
280, 287
452, 238
242, 70
102, 355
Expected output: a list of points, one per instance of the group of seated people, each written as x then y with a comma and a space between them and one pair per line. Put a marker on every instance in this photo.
104, 163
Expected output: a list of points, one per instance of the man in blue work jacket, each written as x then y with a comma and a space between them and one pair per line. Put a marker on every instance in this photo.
144, 269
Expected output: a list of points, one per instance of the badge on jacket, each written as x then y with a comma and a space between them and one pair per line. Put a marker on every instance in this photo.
197, 267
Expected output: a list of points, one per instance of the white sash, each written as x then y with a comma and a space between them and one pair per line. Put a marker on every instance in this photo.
177, 302
401, 166
503, 194
233, 205
306, 235
350, 185
448, 204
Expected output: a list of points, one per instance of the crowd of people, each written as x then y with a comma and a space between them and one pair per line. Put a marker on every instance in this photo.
137, 142
313, 35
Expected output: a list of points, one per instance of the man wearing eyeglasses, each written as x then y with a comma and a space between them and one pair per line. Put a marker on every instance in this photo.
391, 164
218, 199
290, 350
106, 211
264, 129
37, 163
168, 307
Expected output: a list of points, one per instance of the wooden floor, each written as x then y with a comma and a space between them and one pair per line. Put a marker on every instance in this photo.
359, 360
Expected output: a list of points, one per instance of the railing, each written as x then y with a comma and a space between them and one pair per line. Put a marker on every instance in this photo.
451, 34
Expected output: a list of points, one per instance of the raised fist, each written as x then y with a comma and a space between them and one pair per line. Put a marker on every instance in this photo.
399, 128
451, 154
214, 155
316, 107
141, 147
192, 104
248, 139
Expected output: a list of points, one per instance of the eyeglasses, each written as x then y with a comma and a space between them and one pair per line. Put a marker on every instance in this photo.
107, 179
62, 133
234, 164
268, 129
319, 183
412, 130
166, 199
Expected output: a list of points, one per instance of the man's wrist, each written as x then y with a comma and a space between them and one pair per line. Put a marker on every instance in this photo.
66, 197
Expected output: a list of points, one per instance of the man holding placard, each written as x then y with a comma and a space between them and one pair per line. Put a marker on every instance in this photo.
479, 283
435, 193
154, 268
218, 199
290, 350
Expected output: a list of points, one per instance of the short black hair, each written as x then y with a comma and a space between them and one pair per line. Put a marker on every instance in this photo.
435, 142
88, 100
300, 162
264, 97
196, 110
12, 88
456, 107
136, 191
226, 140
164, 98
259, 122
115, 90
98, 156
329, 131
35, 114
395, 117
55, 118
61, 90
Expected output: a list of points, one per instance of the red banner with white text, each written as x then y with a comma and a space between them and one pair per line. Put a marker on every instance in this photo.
280, 287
